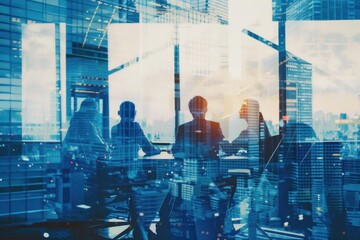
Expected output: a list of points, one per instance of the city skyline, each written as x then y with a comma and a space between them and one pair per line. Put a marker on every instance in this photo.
270, 150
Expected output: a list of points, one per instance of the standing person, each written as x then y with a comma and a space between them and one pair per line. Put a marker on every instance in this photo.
199, 137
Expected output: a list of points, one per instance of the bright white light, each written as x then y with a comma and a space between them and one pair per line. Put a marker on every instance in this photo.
83, 206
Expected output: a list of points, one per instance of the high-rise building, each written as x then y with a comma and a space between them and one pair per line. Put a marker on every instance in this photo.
298, 90
31, 105
351, 178
333, 168
147, 202
195, 168
41, 42
23, 183
300, 153
317, 9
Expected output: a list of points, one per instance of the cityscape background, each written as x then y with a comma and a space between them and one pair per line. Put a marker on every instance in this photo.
291, 65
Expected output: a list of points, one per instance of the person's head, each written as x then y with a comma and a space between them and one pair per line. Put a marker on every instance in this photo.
127, 111
89, 105
89, 109
198, 107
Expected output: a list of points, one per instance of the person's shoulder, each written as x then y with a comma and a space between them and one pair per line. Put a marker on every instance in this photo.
185, 125
113, 129
213, 123
136, 124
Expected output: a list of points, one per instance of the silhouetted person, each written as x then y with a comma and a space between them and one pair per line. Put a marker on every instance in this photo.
127, 138
256, 130
83, 146
84, 136
199, 137
128, 135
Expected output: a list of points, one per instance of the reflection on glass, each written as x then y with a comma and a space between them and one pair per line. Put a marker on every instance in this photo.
284, 92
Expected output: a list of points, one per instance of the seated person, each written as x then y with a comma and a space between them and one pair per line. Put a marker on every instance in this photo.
84, 136
256, 131
83, 146
128, 136
199, 137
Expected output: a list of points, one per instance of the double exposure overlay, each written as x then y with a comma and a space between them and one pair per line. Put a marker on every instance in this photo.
180, 119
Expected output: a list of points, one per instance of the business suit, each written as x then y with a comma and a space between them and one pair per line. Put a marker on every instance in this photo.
199, 137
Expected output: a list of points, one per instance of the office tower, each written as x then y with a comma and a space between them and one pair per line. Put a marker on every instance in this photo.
192, 169
22, 184
317, 9
266, 199
244, 184
299, 155
187, 191
343, 132
82, 41
319, 209
333, 169
147, 203
351, 190
195, 168
352, 200
216, 8
27, 114
298, 90
344, 127
54, 54
324, 10
203, 11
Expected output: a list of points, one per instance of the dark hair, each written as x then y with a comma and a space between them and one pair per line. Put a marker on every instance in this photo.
127, 110
89, 105
197, 104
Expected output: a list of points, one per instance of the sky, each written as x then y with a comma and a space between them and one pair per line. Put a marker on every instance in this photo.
333, 48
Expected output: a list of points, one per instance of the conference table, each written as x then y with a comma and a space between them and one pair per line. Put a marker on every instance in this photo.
153, 178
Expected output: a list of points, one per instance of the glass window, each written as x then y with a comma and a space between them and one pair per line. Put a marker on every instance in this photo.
281, 81
139, 57
4, 9
34, 6
18, 12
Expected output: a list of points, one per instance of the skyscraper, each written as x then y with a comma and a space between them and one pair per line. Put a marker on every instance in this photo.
318, 9
298, 90
53, 55
333, 168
